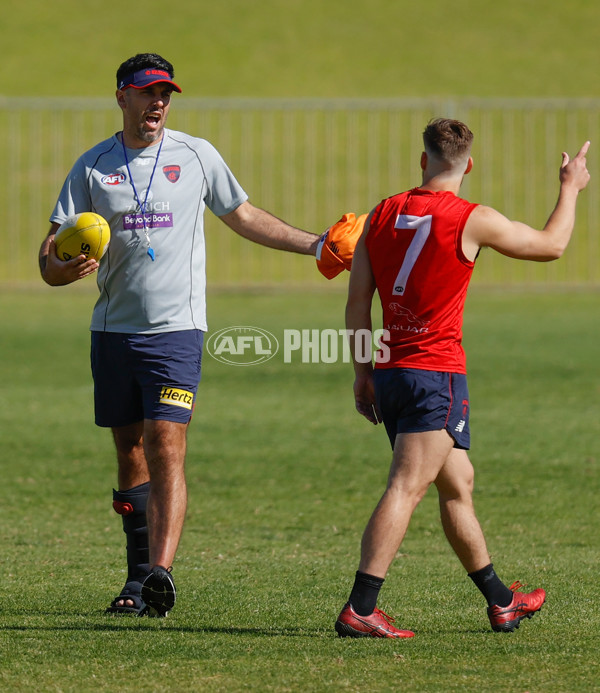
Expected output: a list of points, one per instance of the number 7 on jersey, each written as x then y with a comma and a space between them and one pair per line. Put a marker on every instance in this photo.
422, 225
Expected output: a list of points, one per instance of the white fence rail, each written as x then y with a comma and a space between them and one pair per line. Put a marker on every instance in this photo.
309, 162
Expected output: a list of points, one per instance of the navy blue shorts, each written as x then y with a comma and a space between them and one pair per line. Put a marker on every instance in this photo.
145, 376
414, 401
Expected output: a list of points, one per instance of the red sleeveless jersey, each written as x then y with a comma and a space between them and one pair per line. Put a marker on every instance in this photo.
415, 248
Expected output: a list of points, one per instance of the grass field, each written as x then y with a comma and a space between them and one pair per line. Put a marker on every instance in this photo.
282, 477
282, 472
308, 48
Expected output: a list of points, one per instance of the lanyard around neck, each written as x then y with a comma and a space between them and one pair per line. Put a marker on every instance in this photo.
143, 206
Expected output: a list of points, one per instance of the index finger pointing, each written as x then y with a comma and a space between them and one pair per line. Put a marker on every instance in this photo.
583, 151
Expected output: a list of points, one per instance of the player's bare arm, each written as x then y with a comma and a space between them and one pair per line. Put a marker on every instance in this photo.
488, 228
261, 227
358, 317
56, 272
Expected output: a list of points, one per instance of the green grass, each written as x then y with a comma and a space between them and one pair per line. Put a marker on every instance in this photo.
283, 475
306, 48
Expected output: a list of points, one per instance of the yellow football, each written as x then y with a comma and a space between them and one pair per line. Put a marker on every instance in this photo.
86, 234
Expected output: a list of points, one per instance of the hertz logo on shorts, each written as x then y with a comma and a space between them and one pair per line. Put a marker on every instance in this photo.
178, 398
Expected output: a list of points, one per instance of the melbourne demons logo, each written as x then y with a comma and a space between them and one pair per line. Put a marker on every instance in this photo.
172, 173
113, 179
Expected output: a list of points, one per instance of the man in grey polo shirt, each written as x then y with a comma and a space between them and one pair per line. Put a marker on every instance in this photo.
152, 185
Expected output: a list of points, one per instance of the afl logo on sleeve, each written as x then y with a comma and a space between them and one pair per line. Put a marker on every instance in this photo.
172, 173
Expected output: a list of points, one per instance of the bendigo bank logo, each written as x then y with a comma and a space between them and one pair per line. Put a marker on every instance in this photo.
176, 397
242, 346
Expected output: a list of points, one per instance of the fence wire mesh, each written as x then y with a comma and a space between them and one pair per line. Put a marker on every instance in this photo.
310, 161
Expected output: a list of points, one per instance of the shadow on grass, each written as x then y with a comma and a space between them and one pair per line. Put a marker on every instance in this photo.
132, 623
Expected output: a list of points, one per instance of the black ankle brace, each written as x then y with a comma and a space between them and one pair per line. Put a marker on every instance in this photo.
131, 505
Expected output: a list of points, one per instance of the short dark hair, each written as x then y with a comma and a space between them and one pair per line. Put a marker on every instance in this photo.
142, 61
447, 139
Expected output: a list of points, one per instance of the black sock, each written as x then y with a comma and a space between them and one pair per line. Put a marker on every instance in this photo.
492, 588
364, 593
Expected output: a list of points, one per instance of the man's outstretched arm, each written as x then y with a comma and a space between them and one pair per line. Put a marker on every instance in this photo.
261, 227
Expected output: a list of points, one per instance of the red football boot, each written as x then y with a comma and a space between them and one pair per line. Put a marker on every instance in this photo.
507, 618
376, 625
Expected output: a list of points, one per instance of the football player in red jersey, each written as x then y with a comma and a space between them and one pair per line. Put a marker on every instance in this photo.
418, 250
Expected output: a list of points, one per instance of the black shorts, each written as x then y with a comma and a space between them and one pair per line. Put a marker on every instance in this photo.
414, 401
145, 376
